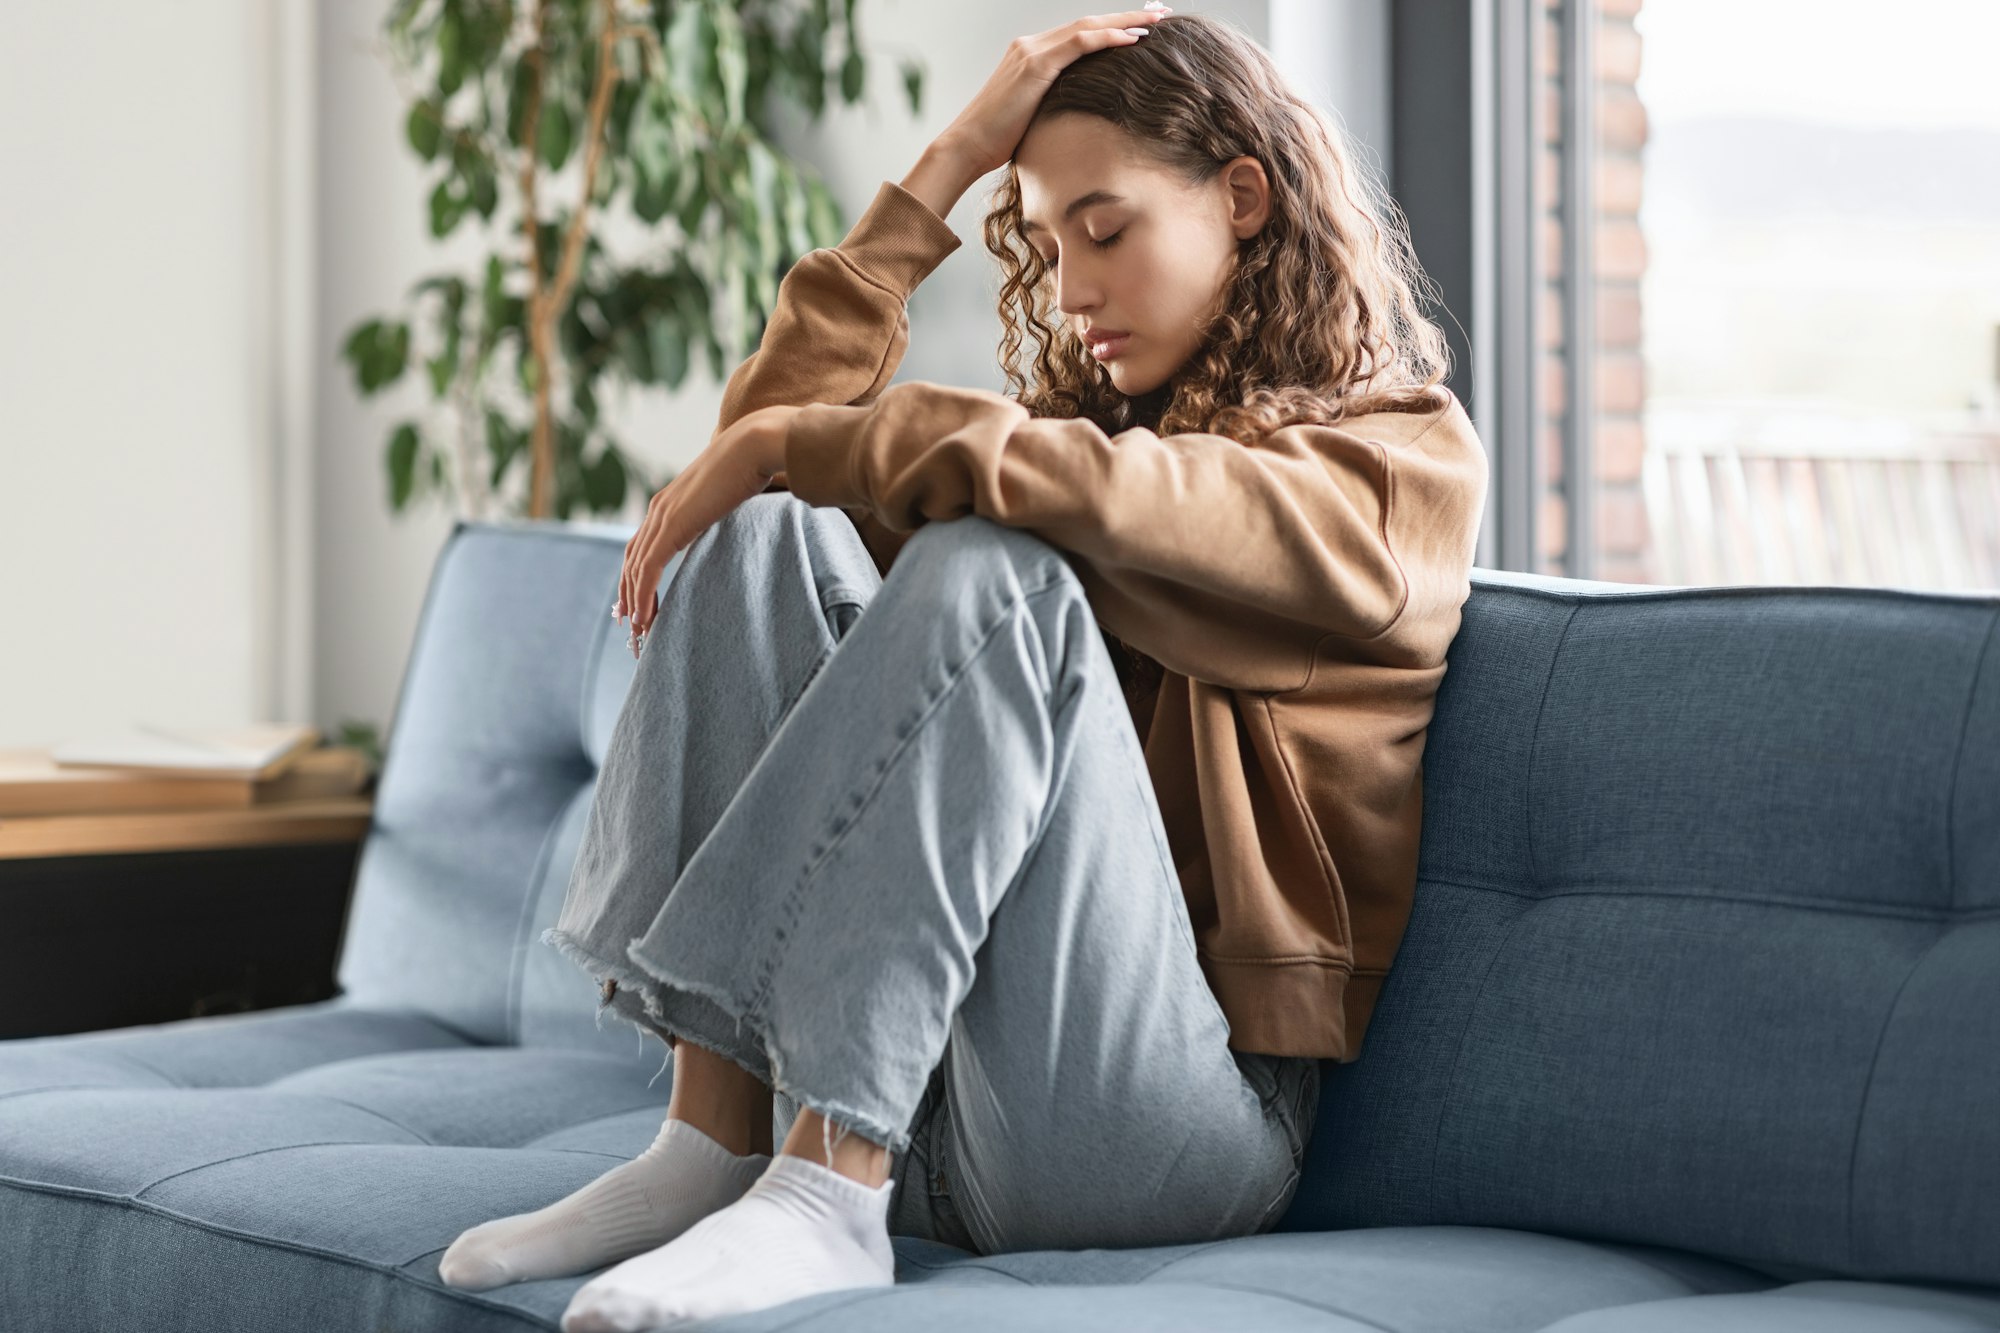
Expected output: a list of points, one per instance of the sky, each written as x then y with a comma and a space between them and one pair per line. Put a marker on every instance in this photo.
1922, 63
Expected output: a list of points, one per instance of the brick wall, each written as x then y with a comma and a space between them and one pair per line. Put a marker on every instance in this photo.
1617, 440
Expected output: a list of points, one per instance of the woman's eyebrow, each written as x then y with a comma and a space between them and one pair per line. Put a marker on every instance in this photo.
1077, 206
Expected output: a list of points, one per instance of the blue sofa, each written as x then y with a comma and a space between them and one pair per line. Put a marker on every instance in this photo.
1696, 1025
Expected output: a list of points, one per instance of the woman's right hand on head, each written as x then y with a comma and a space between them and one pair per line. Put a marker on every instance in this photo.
986, 133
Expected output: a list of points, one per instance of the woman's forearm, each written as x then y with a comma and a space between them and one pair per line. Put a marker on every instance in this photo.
941, 177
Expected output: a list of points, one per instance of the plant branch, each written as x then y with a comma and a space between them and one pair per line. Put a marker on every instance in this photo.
546, 303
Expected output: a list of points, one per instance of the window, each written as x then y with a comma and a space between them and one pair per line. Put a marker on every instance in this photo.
1733, 268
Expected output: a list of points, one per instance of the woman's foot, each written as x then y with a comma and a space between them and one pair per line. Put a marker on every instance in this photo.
632, 1208
800, 1230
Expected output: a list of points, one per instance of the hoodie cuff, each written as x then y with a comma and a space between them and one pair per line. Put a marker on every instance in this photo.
819, 453
898, 240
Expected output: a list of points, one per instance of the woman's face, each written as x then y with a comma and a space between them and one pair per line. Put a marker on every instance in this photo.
1132, 248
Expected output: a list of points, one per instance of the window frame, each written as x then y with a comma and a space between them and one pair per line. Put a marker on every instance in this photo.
1467, 112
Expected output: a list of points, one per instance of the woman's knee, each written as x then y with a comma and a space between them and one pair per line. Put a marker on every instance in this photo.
739, 548
952, 555
754, 524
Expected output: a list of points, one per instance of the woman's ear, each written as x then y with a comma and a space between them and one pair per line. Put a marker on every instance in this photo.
1249, 193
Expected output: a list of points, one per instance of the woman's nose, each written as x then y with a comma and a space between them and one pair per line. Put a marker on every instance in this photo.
1075, 291
1074, 297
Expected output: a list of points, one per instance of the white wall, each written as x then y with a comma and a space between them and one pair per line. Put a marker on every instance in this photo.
369, 566
129, 455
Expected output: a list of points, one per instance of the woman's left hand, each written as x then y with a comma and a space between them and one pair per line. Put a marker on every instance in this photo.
738, 463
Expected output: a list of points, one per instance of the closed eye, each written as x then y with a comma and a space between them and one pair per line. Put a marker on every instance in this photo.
1104, 244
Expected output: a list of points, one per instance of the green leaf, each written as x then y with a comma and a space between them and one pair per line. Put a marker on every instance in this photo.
492, 306
485, 190
760, 202
379, 351
807, 60
355, 350
731, 63
827, 227
604, 481
913, 85
636, 356
402, 460
793, 209
692, 207
451, 53
425, 127
440, 367
554, 137
853, 76
670, 351
690, 49
447, 206
504, 441
651, 201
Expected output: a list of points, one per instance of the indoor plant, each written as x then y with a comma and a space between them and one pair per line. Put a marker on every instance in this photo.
663, 106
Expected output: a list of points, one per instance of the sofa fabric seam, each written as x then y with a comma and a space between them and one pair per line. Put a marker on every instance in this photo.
129, 1202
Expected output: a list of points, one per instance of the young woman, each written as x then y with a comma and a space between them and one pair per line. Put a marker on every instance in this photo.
877, 831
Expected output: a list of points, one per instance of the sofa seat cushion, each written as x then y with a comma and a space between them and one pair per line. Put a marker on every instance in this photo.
303, 1167
1805, 1307
1433, 1279
308, 1167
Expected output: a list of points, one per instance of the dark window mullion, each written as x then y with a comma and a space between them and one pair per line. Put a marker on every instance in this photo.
1517, 277
1579, 172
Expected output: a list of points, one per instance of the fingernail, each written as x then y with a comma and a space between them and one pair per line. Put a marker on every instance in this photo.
1138, 32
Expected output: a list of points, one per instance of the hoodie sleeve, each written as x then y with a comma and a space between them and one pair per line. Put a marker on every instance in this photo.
841, 323
1285, 541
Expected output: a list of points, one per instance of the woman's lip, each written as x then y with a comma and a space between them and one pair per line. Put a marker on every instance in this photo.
1106, 348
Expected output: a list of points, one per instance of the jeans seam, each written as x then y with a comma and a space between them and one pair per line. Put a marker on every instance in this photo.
789, 911
1172, 875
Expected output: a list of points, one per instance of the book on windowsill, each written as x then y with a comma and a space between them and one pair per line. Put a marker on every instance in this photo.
32, 782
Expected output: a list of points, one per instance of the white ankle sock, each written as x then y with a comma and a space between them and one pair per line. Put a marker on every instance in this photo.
800, 1230
634, 1207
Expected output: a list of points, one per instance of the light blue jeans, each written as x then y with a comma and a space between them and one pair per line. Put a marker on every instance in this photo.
890, 845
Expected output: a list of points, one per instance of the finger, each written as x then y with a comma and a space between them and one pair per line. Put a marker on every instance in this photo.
1129, 18
647, 559
629, 579
621, 608
1121, 30
635, 554
646, 583
625, 584
1101, 23
1096, 39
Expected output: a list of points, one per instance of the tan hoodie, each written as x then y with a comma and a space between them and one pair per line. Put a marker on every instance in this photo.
1299, 594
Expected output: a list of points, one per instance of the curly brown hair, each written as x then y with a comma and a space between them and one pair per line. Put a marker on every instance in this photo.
1319, 318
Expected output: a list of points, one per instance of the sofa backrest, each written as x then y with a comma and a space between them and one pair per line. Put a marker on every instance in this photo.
515, 677
1706, 945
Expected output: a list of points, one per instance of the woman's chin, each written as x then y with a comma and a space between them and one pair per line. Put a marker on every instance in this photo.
1131, 381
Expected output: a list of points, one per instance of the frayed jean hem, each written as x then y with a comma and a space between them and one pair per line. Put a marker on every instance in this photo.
616, 976
687, 1008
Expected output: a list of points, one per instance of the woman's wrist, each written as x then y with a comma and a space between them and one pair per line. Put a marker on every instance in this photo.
768, 440
941, 176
